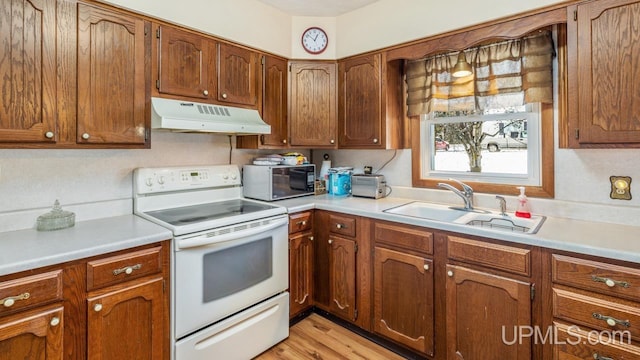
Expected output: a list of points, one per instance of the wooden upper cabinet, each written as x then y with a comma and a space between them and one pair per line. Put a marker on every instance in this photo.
312, 104
113, 77
603, 52
274, 101
28, 71
238, 75
370, 114
186, 64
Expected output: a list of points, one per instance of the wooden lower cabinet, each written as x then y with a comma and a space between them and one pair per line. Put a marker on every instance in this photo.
127, 321
483, 313
342, 277
34, 335
300, 272
403, 299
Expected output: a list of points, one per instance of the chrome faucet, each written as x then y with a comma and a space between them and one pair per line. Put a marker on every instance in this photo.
503, 205
466, 194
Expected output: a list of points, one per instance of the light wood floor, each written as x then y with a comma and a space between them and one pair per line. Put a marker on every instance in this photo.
316, 338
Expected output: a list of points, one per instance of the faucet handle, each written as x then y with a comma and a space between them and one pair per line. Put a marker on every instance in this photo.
467, 189
503, 205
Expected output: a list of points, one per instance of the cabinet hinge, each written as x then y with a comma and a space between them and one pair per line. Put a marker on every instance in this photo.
158, 33
158, 84
262, 61
577, 133
355, 315
575, 15
146, 134
289, 67
533, 291
164, 286
356, 248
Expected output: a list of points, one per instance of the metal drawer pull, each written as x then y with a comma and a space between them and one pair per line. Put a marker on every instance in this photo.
598, 357
611, 321
10, 300
303, 223
55, 321
610, 282
127, 269
341, 226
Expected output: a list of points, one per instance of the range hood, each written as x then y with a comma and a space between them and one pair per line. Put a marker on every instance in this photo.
186, 116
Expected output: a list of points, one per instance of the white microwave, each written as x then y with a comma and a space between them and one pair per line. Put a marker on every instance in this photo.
270, 183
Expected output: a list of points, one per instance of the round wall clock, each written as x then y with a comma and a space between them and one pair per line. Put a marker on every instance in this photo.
314, 40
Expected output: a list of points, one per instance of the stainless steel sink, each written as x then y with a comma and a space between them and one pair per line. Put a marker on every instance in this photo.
504, 223
428, 211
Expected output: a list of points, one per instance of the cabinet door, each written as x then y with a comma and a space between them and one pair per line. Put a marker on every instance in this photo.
28, 71
360, 103
33, 335
127, 322
483, 313
238, 75
186, 64
403, 299
274, 101
113, 77
312, 115
608, 58
342, 272
300, 272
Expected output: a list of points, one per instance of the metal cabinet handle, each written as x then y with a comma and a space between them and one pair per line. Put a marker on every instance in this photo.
55, 321
49, 134
449, 273
127, 269
341, 226
426, 267
10, 300
301, 223
86, 136
284, 141
205, 93
610, 282
330, 241
611, 321
332, 141
310, 238
375, 141
599, 357
224, 95
97, 307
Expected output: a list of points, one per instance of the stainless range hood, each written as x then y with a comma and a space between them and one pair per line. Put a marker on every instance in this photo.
186, 116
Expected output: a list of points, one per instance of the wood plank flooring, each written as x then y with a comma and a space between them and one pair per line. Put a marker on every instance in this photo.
316, 338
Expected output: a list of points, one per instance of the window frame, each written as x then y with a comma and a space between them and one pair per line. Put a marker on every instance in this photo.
545, 189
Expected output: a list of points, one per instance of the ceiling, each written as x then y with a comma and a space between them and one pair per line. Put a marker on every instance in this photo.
320, 8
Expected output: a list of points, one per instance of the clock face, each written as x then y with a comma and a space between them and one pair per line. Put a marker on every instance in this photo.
314, 40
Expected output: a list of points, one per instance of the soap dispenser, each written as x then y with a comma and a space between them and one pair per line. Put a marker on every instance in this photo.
523, 210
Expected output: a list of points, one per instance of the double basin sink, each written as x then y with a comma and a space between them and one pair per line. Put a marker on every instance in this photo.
478, 218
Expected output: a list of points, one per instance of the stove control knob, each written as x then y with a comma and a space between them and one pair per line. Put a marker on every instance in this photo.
149, 181
225, 176
161, 180
234, 176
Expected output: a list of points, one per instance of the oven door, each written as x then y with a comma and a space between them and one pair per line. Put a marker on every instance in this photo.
221, 272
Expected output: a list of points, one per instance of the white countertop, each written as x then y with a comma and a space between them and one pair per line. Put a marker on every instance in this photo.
29, 249
620, 242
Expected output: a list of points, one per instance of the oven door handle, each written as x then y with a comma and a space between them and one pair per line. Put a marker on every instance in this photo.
203, 240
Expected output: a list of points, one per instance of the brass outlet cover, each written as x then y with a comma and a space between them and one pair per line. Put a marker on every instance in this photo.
620, 187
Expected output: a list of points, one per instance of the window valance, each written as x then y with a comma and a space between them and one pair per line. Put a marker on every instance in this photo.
505, 74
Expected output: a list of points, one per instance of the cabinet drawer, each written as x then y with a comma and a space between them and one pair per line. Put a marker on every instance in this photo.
502, 257
596, 313
597, 276
119, 268
30, 291
300, 222
573, 343
404, 237
343, 225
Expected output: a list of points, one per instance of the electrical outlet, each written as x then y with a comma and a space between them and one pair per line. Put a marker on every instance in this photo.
620, 187
368, 169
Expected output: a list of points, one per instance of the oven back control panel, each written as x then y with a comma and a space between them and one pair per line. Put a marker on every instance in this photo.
154, 180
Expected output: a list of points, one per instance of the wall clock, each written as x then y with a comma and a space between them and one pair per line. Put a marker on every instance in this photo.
314, 40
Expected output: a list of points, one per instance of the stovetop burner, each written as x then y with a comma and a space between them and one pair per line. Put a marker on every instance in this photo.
205, 212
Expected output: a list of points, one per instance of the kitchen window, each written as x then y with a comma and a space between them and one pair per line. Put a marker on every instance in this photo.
493, 128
